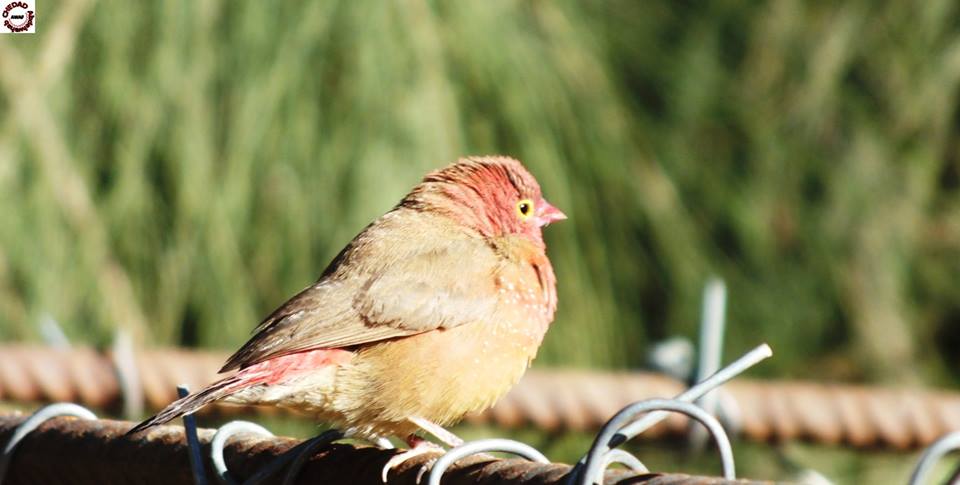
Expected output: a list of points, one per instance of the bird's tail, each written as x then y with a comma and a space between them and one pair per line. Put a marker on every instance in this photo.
186, 405
270, 371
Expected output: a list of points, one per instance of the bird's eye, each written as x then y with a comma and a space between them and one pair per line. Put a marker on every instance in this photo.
525, 209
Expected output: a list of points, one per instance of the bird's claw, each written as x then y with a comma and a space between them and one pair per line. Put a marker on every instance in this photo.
421, 448
427, 466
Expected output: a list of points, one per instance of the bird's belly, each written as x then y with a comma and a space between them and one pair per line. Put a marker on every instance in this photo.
439, 375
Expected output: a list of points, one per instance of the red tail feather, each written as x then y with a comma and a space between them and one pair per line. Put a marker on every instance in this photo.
195, 401
267, 372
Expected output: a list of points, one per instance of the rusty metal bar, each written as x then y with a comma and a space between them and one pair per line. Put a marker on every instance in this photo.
858, 416
70, 450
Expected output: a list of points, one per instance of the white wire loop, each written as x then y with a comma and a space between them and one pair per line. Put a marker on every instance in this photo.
755, 356
737, 367
42, 415
613, 434
617, 455
933, 454
223, 434
480, 446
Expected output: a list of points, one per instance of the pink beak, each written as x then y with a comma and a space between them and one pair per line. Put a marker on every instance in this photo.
547, 213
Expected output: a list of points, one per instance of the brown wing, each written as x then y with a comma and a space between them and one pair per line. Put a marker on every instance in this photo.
387, 283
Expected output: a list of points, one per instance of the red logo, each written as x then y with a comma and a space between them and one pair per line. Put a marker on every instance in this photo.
17, 16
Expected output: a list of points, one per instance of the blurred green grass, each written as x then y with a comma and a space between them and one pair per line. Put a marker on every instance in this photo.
179, 168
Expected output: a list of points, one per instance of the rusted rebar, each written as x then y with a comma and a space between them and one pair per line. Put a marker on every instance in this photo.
859, 416
553, 400
70, 450
33, 373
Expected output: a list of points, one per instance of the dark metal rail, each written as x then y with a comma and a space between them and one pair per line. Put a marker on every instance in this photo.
71, 450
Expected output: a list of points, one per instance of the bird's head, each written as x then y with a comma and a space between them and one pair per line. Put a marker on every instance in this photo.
495, 195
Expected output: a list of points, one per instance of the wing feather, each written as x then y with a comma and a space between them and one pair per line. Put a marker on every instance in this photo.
385, 284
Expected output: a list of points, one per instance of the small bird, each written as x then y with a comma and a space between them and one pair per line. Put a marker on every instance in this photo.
433, 311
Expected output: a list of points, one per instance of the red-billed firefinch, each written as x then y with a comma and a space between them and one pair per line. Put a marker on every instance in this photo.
434, 311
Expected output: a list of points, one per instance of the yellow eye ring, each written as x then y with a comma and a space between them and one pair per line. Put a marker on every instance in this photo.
525, 209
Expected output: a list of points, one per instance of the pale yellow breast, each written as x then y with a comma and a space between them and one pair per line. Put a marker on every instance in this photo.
440, 375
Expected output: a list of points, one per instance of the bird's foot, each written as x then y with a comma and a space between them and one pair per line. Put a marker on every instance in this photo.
375, 440
438, 432
418, 446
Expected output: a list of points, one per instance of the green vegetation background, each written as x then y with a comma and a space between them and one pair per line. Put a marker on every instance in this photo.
179, 168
